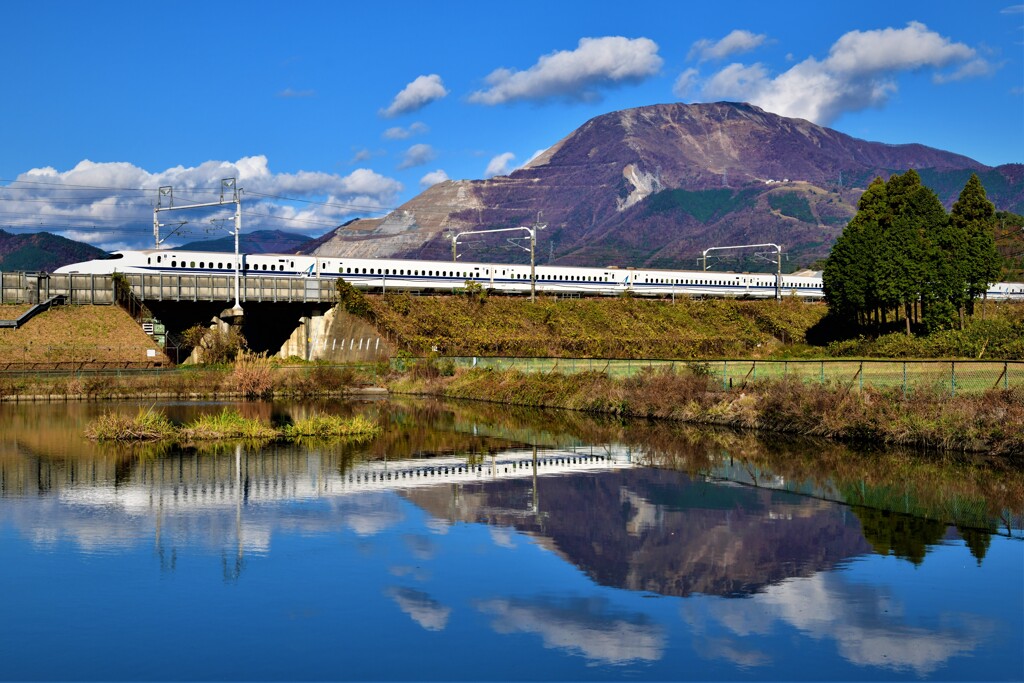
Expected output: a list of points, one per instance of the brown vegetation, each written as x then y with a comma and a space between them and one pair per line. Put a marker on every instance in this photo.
993, 421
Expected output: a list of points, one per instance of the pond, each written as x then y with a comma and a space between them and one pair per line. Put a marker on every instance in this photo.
476, 542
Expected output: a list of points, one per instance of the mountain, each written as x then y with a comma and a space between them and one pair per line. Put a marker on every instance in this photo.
255, 242
42, 251
656, 185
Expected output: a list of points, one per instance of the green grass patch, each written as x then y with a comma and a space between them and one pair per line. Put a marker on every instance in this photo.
325, 426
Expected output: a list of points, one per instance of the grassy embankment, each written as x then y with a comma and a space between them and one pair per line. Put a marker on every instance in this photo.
686, 329
75, 336
149, 425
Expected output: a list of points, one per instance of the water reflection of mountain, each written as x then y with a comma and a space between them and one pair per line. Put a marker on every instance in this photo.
661, 531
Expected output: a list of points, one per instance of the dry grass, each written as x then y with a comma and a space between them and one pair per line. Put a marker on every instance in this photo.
992, 421
12, 311
78, 334
253, 374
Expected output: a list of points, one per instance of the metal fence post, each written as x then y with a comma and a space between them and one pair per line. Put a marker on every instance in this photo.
725, 374
952, 378
860, 375
904, 379
1006, 375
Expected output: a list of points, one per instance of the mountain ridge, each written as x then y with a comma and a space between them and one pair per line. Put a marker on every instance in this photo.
655, 185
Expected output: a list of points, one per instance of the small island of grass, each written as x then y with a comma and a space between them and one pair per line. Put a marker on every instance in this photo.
150, 425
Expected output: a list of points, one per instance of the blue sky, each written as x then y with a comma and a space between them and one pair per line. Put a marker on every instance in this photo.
352, 109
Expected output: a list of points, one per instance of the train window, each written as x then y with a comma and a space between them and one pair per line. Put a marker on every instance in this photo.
348, 271
291, 263
174, 264
220, 265
191, 264
402, 271
201, 264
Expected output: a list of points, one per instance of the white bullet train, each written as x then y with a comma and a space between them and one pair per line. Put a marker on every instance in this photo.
381, 274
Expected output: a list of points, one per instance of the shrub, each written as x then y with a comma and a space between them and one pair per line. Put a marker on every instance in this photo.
253, 375
214, 345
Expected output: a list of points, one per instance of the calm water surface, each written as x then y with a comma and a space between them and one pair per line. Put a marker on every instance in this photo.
477, 543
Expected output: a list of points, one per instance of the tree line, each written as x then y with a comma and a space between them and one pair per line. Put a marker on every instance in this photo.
903, 256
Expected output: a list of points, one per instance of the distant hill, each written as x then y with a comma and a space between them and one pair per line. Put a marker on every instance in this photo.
255, 242
42, 251
654, 186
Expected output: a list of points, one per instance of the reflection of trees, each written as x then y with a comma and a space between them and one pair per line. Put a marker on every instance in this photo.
904, 536
976, 493
978, 541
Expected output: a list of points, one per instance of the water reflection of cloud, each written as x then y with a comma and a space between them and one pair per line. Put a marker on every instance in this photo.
423, 609
421, 547
501, 536
111, 522
586, 627
867, 623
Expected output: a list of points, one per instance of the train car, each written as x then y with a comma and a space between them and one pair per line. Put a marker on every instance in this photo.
382, 274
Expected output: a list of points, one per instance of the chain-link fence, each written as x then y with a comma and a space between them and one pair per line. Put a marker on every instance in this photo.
947, 376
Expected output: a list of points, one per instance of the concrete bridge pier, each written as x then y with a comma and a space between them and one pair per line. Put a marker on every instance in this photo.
335, 335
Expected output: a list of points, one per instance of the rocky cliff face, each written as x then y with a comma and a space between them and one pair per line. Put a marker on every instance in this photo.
656, 185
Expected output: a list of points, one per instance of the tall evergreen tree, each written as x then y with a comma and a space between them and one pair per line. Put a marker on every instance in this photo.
848, 275
903, 268
974, 214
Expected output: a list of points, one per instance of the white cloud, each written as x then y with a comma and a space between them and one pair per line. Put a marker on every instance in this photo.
975, 68
499, 165
361, 155
575, 74
433, 178
291, 92
110, 204
736, 42
857, 74
399, 133
686, 82
416, 95
417, 155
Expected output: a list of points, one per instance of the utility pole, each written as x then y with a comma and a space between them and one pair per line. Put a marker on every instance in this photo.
236, 199
532, 231
778, 268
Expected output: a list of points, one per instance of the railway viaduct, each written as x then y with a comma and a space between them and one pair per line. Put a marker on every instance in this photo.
282, 316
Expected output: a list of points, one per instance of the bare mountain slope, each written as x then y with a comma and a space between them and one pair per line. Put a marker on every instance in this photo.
656, 185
